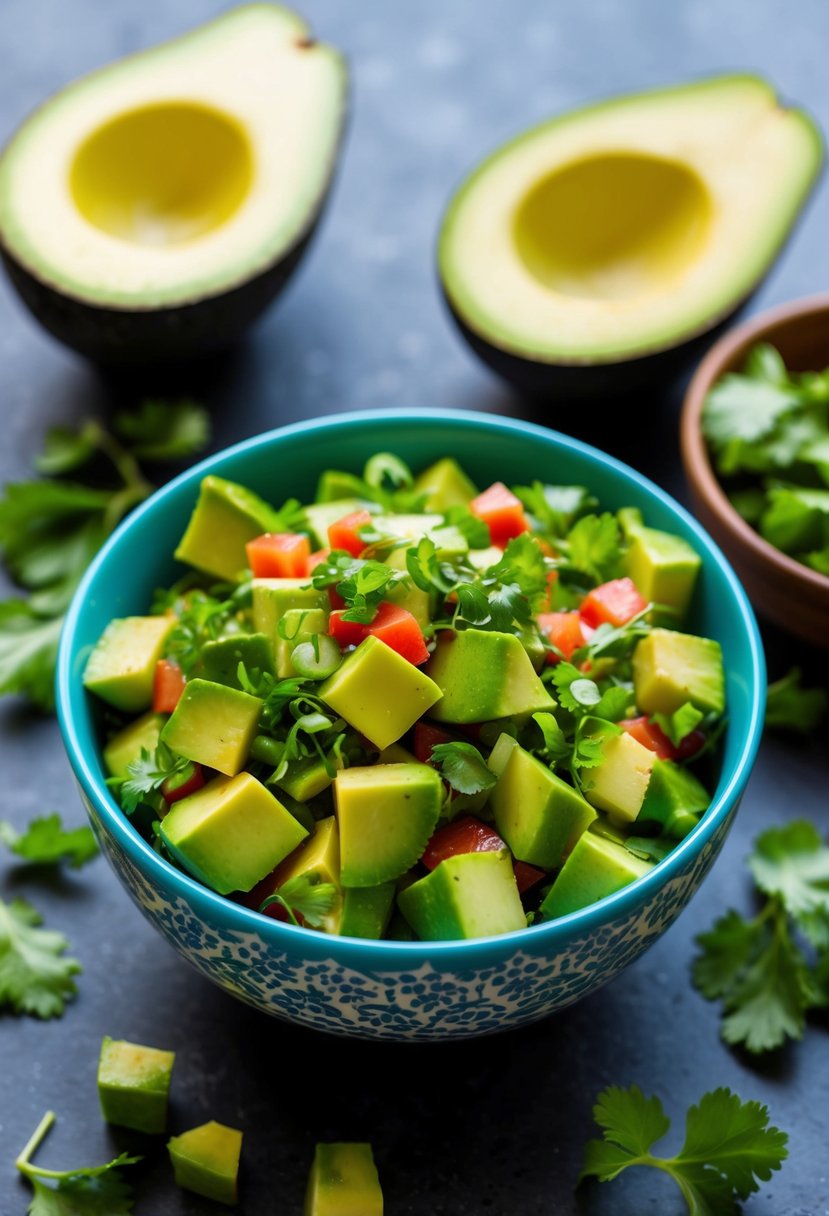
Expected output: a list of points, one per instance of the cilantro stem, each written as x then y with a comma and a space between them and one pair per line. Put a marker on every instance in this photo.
23, 1161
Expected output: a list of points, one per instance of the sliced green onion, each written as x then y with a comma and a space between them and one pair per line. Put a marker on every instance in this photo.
316, 662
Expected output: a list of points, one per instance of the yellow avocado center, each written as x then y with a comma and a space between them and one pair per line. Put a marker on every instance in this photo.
612, 227
162, 175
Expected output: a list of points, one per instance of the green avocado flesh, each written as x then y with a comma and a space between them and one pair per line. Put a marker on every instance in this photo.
133, 1085
343, 1182
205, 1160
629, 226
430, 761
180, 174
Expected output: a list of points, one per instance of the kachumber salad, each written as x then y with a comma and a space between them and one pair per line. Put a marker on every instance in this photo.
412, 709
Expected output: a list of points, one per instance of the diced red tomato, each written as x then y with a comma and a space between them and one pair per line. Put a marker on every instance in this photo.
392, 624
427, 736
279, 555
345, 633
183, 784
564, 630
612, 603
396, 626
466, 835
650, 735
168, 685
502, 512
526, 875
693, 742
345, 533
314, 560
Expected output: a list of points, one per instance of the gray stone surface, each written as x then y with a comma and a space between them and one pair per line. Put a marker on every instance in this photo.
491, 1127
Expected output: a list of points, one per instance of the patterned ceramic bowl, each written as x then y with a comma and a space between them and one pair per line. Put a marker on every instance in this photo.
397, 990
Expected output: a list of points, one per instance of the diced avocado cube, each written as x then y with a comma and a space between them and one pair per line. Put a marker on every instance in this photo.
469, 895
619, 783
298, 625
134, 1084
445, 485
336, 484
395, 753
483, 675
449, 541
273, 597
501, 752
321, 515
121, 668
675, 799
610, 830
206, 1161
538, 815
595, 869
379, 693
305, 778
386, 814
482, 559
231, 833
407, 595
318, 857
225, 518
343, 1182
213, 725
663, 567
127, 744
671, 668
366, 911
220, 659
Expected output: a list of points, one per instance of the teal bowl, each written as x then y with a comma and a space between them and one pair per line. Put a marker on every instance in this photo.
403, 990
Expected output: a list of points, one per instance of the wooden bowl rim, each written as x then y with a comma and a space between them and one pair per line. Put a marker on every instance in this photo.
695, 460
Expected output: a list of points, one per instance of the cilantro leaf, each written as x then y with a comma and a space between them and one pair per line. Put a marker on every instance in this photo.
97, 1190
680, 723
790, 706
304, 896
565, 675
593, 546
556, 508
728, 1149
46, 841
463, 766
792, 863
556, 748
35, 975
165, 430
147, 774
362, 582
28, 650
743, 408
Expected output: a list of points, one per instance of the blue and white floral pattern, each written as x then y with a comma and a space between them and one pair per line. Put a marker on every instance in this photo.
425, 1002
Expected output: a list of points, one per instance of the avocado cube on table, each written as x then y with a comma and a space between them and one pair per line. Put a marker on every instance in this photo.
273, 597
469, 895
538, 815
343, 1182
121, 668
213, 725
134, 1084
378, 692
484, 675
127, 744
664, 568
671, 668
366, 911
596, 868
231, 833
445, 485
386, 814
298, 625
220, 659
225, 518
619, 783
319, 516
675, 799
206, 1161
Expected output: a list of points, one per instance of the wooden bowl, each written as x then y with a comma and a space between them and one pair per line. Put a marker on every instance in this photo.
792, 595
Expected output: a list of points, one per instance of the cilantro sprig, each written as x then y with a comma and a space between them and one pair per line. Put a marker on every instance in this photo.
306, 899
463, 767
46, 842
145, 777
35, 972
362, 583
728, 1149
791, 707
51, 528
98, 1190
769, 970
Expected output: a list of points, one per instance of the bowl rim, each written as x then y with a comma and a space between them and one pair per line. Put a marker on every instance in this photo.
695, 457
278, 934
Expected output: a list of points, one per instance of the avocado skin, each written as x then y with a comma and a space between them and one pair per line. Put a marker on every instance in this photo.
118, 337
598, 382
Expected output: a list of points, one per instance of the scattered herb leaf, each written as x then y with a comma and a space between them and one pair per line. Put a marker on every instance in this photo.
46, 841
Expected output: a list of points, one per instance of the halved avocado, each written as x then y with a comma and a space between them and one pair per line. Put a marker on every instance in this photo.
154, 208
588, 253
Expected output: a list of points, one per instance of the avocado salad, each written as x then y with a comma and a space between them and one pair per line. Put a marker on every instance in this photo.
412, 709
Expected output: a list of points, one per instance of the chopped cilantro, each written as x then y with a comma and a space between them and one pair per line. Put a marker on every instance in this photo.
97, 1190
304, 896
35, 973
790, 706
46, 841
463, 766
